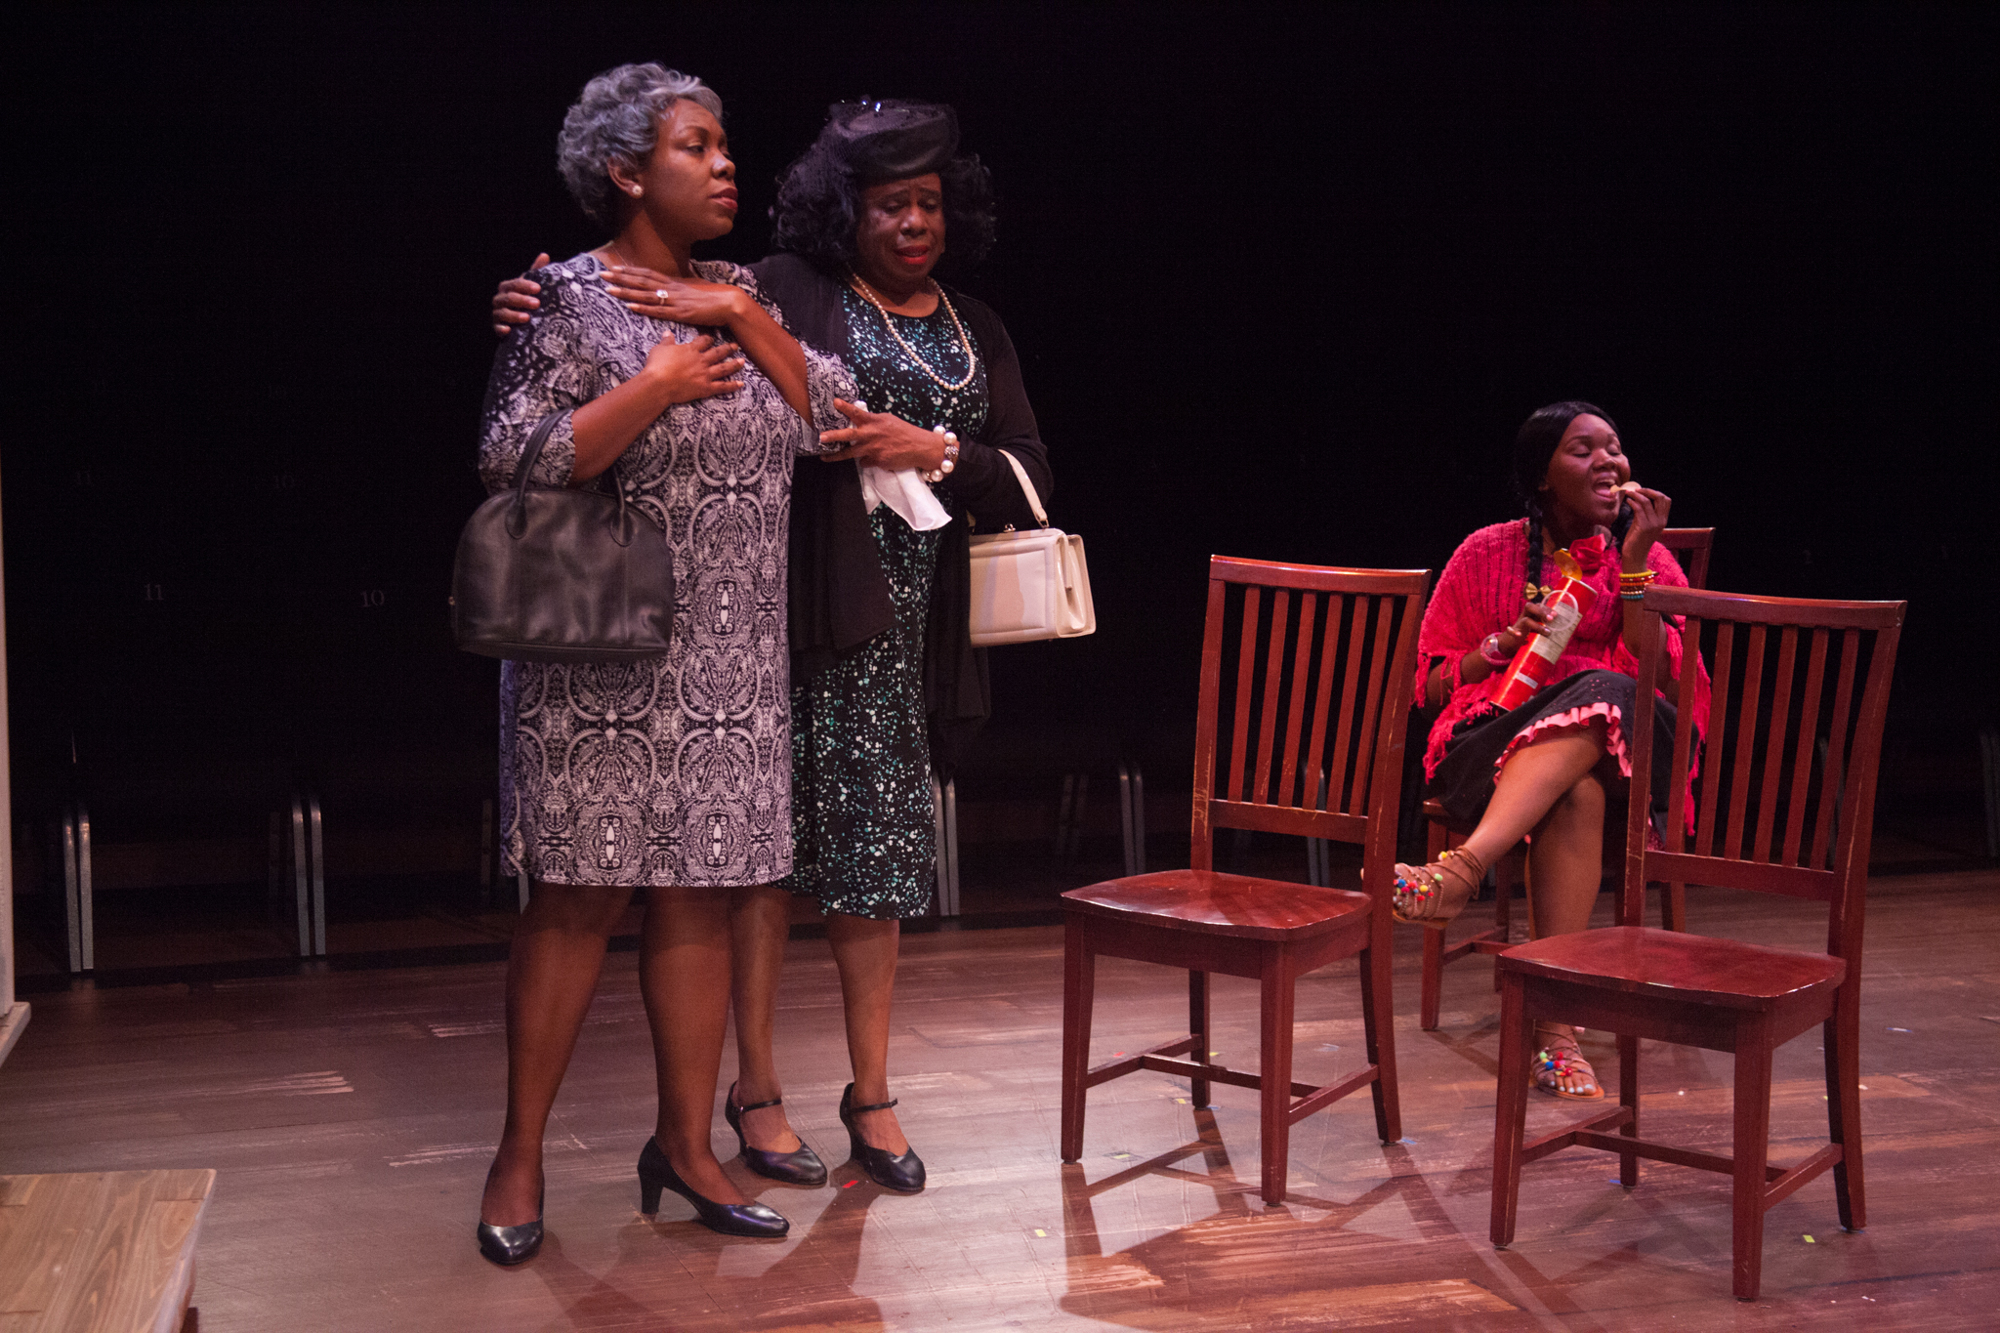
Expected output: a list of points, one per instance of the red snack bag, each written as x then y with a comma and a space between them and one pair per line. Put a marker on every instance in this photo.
1534, 660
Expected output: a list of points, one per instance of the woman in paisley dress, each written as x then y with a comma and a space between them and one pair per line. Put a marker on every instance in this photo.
673, 775
886, 685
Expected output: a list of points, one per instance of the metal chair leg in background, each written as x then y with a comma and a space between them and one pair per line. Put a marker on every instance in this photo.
944, 818
1318, 872
1132, 812
309, 874
76, 889
317, 841
489, 853
1069, 813
1319, 856
1989, 770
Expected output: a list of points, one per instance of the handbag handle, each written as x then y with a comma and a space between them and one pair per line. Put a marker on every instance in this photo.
517, 513
1027, 487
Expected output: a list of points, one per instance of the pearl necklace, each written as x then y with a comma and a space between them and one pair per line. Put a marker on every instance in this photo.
971, 361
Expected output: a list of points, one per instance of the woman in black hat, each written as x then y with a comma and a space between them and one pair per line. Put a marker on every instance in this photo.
887, 687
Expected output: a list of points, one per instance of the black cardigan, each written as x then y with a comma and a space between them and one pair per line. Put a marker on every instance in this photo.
839, 594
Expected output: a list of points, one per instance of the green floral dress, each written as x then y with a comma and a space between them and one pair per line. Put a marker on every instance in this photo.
862, 834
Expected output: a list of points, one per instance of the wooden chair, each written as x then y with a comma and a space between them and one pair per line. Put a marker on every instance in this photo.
1692, 547
1798, 821
1354, 627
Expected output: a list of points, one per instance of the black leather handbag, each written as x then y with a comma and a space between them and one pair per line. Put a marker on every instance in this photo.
550, 574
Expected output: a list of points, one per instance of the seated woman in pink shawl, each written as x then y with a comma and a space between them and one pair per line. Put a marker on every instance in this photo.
1543, 768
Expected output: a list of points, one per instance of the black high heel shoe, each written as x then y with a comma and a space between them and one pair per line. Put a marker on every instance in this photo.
731, 1219
508, 1246
801, 1167
904, 1174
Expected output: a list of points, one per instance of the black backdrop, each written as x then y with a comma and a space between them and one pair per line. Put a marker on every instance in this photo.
1284, 281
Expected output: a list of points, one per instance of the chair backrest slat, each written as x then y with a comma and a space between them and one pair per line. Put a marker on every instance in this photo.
1743, 741
1676, 831
1836, 749
1364, 746
1774, 772
1357, 629
1774, 748
1246, 665
1725, 643
1329, 653
1359, 624
1267, 726
1288, 772
1802, 760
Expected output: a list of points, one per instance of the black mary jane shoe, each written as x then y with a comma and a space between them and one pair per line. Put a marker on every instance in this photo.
904, 1174
508, 1246
731, 1219
801, 1167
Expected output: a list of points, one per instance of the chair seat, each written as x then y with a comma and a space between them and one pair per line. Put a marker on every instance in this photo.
1214, 903
1669, 964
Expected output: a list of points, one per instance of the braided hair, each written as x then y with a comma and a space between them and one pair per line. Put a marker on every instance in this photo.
1534, 445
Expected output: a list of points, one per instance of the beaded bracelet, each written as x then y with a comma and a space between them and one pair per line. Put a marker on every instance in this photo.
1632, 587
937, 474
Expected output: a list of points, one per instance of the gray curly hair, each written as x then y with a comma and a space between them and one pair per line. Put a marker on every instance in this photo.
617, 116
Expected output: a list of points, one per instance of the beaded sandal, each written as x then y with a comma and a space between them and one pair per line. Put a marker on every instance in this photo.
1420, 889
1558, 1058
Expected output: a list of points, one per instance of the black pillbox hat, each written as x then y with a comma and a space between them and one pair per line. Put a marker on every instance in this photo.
890, 139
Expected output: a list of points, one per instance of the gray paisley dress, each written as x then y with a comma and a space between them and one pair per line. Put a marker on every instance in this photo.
677, 770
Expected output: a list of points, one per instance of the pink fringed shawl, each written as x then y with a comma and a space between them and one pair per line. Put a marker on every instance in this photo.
1482, 590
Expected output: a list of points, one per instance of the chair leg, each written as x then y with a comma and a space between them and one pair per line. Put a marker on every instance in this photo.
1843, 1114
1510, 1110
1628, 1097
1512, 872
1433, 981
1198, 1025
1378, 1026
1750, 1151
1674, 907
1079, 983
1274, 1071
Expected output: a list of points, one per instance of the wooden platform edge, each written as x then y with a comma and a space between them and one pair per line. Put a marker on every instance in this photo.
11, 1027
102, 1251
178, 1296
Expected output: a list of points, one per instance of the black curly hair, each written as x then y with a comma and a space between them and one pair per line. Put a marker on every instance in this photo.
1534, 445
819, 204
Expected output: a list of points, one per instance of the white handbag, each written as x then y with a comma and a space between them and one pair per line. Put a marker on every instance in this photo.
1030, 585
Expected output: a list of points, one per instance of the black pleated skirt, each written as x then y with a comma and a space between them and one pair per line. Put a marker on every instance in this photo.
1463, 783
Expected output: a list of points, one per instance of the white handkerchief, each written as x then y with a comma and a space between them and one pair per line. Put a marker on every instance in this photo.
905, 492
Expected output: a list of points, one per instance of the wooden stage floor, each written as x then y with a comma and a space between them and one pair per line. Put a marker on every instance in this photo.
351, 1114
